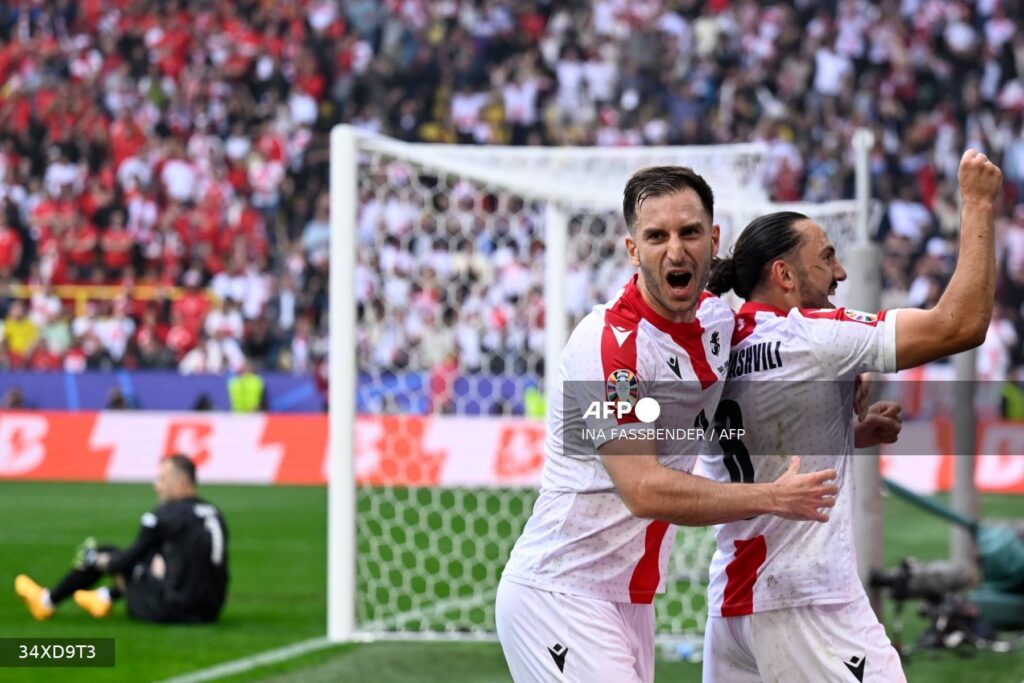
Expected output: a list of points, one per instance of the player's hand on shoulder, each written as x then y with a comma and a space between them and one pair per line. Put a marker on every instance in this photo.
980, 179
802, 496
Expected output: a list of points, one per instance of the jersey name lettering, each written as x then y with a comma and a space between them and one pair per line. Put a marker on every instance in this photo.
755, 358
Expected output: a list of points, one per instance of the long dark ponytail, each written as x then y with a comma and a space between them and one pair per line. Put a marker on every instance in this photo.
764, 240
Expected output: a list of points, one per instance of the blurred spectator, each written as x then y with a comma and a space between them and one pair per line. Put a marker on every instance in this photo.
20, 334
116, 400
247, 391
203, 403
148, 349
116, 331
14, 399
316, 236
54, 332
86, 331
10, 249
224, 329
116, 246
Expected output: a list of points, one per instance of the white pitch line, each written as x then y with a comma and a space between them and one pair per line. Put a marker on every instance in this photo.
252, 662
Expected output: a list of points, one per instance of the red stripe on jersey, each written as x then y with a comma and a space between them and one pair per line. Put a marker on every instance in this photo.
632, 307
844, 315
694, 346
647, 573
618, 351
738, 598
752, 307
822, 313
745, 324
746, 319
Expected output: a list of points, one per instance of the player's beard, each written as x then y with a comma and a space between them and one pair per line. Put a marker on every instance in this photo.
810, 295
658, 288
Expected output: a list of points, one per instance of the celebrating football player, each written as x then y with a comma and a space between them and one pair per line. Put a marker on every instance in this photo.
574, 602
785, 600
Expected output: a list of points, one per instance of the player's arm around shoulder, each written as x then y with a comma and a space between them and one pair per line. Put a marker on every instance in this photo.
652, 491
959, 321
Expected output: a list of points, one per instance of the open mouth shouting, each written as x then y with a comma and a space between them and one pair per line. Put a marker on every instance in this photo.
679, 282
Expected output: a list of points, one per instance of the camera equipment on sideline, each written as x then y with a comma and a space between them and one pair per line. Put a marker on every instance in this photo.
925, 580
953, 620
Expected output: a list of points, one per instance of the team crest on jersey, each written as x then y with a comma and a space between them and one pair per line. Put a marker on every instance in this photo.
860, 316
623, 386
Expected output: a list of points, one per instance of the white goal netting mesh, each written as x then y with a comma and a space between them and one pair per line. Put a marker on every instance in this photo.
451, 319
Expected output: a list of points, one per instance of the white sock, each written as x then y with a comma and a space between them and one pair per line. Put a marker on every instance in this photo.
47, 603
104, 593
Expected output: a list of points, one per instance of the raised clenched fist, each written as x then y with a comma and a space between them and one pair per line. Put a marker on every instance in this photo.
980, 179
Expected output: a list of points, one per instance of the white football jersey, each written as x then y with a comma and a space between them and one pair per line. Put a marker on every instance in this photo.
581, 538
791, 389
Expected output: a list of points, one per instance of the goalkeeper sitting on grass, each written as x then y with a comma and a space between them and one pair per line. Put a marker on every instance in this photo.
175, 571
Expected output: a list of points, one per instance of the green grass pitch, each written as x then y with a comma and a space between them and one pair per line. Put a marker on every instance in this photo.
278, 592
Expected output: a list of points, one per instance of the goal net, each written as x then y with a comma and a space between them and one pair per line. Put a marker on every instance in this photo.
457, 274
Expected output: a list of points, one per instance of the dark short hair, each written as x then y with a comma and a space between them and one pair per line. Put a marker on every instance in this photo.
764, 240
184, 465
658, 181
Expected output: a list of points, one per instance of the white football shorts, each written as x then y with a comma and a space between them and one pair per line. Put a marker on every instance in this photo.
557, 637
843, 643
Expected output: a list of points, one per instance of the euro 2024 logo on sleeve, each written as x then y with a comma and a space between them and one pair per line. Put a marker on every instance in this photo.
860, 316
623, 387
622, 391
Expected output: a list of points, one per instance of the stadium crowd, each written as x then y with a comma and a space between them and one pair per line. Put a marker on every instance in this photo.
185, 145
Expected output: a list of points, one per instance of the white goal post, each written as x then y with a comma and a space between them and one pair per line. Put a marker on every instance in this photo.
497, 234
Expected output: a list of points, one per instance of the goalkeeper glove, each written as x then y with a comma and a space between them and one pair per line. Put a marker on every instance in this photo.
85, 556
